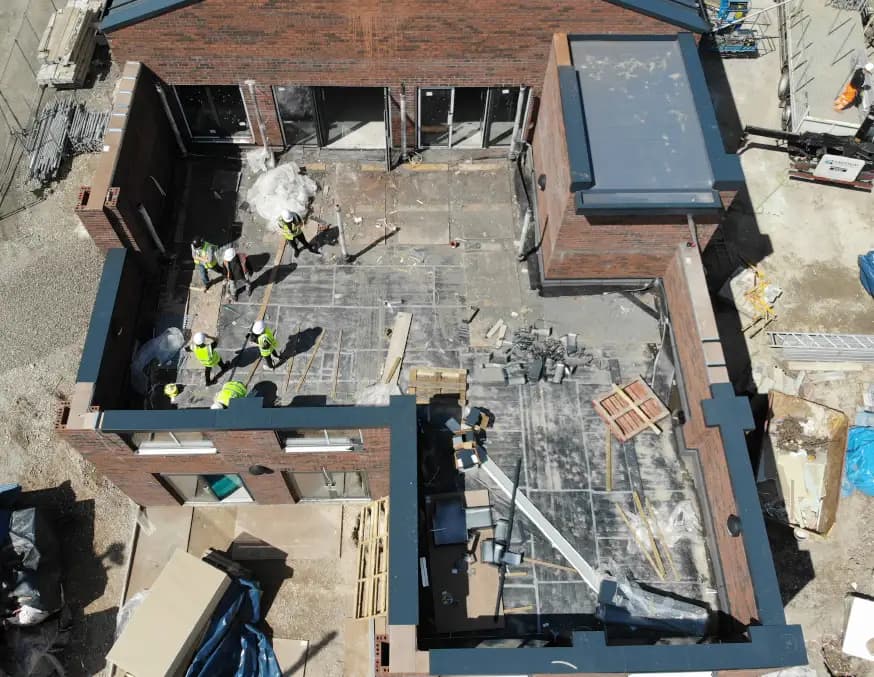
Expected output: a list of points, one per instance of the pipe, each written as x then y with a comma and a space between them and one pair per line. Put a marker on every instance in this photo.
166, 105
523, 238
151, 228
403, 122
516, 122
262, 128
693, 231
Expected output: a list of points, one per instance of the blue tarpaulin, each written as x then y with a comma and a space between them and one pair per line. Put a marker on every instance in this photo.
866, 271
233, 645
859, 472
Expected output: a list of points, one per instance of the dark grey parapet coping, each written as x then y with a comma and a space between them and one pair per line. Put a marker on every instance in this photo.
101, 316
726, 167
684, 13
249, 413
733, 416
771, 647
576, 132
120, 14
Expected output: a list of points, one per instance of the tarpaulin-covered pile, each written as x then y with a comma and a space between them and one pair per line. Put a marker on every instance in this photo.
234, 646
31, 595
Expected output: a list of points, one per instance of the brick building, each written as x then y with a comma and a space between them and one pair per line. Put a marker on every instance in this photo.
625, 180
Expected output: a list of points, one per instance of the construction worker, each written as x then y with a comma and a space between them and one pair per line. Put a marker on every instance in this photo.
291, 227
237, 273
204, 255
267, 344
171, 390
204, 349
230, 391
851, 95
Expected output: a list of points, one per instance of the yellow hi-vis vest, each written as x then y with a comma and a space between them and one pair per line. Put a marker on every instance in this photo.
206, 355
230, 391
290, 230
206, 255
267, 342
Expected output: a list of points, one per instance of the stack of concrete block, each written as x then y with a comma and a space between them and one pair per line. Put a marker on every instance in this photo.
68, 43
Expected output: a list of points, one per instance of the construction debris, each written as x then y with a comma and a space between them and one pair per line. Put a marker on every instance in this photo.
67, 44
753, 295
529, 355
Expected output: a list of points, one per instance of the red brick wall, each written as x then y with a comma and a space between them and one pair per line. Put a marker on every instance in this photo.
708, 442
364, 43
144, 152
237, 451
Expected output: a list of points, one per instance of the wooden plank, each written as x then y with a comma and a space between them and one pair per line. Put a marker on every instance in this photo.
652, 539
337, 365
310, 361
661, 536
397, 346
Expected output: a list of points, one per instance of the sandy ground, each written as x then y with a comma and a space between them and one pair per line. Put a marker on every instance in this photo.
49, 270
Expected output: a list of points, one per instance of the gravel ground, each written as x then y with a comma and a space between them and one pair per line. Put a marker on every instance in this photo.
49, 270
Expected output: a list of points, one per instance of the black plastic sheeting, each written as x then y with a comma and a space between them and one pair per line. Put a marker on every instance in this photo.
35, 621
233, 645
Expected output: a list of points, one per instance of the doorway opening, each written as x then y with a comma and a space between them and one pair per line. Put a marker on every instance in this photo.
351, 118
326, 485
470, 117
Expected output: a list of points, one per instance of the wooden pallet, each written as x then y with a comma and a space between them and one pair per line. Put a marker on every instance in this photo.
428, 382
371, 590
630, 409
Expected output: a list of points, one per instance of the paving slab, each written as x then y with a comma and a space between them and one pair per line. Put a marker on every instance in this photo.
482, 221
421, 225
302, 531
172, 526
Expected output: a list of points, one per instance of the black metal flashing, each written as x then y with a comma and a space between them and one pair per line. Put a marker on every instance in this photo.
121, 13
101, 316
575, 131
686, 14
727, 171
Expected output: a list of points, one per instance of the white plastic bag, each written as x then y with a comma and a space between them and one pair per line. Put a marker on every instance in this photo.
281, 188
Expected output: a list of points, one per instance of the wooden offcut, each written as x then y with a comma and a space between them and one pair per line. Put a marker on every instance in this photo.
630, 409
396, 348
428, 382
371, 569
306, 370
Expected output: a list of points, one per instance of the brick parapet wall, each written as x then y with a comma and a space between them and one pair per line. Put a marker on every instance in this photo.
689, 307
237, 452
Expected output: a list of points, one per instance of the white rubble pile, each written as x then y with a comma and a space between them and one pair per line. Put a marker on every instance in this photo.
280, 188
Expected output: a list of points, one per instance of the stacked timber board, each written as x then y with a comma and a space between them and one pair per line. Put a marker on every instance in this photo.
67, 45
428, 382
371, 593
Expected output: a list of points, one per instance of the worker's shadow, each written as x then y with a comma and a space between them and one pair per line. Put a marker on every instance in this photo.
300, 343
246, 357
268, 391
282, 271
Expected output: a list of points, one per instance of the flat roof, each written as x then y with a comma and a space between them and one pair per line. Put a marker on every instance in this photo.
645, 138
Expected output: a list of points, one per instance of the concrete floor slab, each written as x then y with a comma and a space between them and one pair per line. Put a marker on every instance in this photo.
211, 527
483, 222
481, 187
420, 188
421, 225
304, 531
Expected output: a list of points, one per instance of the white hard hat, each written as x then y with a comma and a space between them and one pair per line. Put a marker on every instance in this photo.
229, 254
258, 327
287, 215
869, 67
199, 338
216, 405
